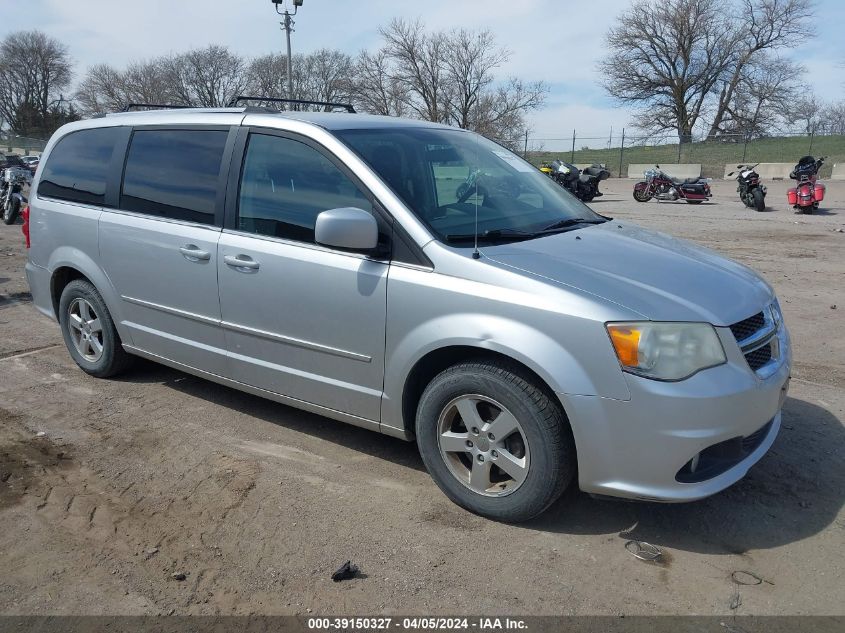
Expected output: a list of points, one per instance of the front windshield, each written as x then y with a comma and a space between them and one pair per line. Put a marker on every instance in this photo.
447, 176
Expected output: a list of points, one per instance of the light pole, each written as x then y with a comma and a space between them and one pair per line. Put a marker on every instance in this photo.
287, 25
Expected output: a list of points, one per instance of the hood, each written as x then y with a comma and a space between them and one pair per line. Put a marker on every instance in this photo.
660, 277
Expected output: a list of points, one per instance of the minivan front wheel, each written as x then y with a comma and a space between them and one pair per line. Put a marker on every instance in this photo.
89, 332
494, 441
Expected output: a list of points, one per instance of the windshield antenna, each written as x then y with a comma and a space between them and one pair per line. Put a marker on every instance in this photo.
475, 253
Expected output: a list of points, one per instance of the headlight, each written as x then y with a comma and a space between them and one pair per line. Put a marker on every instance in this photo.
666, 351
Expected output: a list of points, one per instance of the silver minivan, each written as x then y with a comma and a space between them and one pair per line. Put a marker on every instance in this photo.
413, 279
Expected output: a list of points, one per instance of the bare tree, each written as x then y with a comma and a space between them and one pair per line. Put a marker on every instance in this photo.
761, 25
375, 88
806, 112
447, 77
665, 58
471, 57
769, 88
106, 89
208, 77
34, 69
268, 76
832, 119
419, 65
324, 75
101, 90
500, 113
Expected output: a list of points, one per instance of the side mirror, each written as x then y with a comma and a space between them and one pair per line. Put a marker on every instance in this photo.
348, 228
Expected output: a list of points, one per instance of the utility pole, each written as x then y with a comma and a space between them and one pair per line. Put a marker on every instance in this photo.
287, 27
621, 152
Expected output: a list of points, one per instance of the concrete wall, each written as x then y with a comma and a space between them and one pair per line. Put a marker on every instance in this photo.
684, 170
838, 172
767, 171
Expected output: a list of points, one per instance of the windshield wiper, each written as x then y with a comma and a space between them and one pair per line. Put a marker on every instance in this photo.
492, 235
564, 224
518, 234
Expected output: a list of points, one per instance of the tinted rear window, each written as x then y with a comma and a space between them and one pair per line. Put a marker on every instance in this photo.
76, 168
173, 173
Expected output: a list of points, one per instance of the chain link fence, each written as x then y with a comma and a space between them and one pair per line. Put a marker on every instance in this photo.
619, 150
14, 144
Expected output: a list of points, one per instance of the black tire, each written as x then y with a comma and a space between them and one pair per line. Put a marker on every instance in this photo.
11, 210
641, 196
113, 358
544, 424
759, 200
587, 197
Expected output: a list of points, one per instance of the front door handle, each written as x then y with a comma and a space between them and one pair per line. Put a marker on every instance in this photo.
194, 252
240, 261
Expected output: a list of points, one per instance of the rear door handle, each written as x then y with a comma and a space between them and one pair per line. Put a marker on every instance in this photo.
240, 261
194, 252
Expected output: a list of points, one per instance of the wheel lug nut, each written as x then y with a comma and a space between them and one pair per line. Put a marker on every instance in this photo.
491, 437
481, 458
469, 444
495, 454
475, 430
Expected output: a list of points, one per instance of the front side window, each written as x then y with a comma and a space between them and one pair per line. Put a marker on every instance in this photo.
449, 177
286, 184
173, 173
77, 167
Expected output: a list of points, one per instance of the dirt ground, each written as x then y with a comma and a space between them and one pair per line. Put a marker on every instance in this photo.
110, 487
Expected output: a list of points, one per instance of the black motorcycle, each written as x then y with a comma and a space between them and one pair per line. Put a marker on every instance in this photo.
751, 192
12, 200
583, 184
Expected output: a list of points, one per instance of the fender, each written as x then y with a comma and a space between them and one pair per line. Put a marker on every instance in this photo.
70, 257
546, 356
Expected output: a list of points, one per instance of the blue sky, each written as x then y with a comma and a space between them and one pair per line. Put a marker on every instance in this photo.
553, 40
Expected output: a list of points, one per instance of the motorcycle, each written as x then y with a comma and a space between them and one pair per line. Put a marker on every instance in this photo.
660, 185
12, 199
582, 184
807, 193
751, 192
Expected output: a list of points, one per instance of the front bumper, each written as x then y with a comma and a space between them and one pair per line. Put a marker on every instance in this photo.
636, 448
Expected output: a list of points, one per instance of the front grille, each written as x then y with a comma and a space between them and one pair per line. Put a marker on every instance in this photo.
759, 357
754, 336
748, 327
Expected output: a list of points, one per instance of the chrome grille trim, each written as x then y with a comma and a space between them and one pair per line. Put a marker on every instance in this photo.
753, 344
761, 336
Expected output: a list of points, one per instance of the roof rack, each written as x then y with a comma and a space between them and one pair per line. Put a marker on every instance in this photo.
130, 106
328, 104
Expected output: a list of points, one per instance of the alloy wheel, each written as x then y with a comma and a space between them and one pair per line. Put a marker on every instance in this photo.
85, 329
483, 445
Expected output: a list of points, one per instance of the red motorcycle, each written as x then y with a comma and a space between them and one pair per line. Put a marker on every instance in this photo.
807, 194
660, 185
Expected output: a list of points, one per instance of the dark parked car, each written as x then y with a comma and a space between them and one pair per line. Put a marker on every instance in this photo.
11, 160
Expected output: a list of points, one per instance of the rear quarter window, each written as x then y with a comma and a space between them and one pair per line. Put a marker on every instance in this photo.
77, 167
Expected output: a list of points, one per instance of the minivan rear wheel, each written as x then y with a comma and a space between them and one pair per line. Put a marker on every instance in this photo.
89, 331
494, 441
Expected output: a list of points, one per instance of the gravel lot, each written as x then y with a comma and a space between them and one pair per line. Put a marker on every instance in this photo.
159, 473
